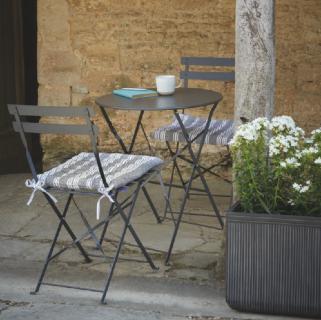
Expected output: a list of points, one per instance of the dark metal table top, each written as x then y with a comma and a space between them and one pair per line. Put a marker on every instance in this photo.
183, 98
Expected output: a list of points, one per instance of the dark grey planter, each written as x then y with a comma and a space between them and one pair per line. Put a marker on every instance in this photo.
274, 264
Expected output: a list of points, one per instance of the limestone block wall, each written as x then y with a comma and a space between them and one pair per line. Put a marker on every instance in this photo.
86, 48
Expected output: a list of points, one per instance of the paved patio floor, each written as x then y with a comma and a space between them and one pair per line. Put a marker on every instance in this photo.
192, 287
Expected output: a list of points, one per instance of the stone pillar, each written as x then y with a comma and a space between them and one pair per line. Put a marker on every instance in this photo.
255, 59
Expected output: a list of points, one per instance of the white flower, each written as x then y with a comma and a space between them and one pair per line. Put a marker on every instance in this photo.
283, 164
293, 141
297, 132
281, 143
292, 162
296, 186
313, 150
304, 189
298, 155
274, 148
282, 122
316, 131
285, 135
291, 202
247, 131
286, 127
317, 161
309, 150
260, 123
301, 188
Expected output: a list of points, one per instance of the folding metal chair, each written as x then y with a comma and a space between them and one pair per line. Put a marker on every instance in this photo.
97, 174
219, 132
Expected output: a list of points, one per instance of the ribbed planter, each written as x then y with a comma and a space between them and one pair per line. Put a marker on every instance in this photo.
274, 264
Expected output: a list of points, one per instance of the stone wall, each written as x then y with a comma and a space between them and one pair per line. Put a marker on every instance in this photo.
86, 48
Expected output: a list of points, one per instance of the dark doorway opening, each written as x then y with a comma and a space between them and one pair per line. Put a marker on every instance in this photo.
18, 78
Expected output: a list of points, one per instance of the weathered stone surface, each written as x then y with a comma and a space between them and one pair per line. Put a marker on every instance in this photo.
57, 64
254, 59
54, 95
298, 73
103, 45
27, 231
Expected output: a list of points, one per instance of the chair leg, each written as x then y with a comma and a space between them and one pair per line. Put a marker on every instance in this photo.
212, 201
195, 160
142, 248
167, 199
172, 154
68, 229
169, 191
89, 228
130, 228
121, 240
133, 232
179, 218
103, 233
175, 166
151, 204
44, 269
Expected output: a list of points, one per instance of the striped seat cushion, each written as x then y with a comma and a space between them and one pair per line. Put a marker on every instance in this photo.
81, 171
220, 132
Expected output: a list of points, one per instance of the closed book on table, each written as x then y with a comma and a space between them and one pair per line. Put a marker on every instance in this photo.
135, 93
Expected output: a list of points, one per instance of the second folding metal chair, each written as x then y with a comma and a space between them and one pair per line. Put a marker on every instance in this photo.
187, 130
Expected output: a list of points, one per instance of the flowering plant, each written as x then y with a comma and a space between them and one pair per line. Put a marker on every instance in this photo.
277, 169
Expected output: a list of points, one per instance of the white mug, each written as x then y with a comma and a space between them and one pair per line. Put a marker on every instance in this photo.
166, 84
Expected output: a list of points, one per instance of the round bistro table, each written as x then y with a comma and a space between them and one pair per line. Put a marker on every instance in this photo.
183, 98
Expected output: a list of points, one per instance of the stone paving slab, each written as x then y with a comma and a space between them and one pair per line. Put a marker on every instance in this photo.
192, 287
129, 297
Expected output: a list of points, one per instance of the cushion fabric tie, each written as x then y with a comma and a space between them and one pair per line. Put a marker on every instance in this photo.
106, 193
37, 185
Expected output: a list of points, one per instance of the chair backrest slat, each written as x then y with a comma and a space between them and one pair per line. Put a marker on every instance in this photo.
24, 110
52, 128
186, 74
208, 61
49, 128
199, 75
